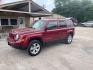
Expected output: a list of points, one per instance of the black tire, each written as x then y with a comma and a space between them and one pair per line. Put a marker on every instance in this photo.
31, 51
67, 41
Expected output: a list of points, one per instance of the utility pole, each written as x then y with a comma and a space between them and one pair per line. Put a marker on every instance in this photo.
44, 6
27, 0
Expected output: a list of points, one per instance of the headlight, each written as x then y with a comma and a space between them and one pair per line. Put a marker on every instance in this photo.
17, 37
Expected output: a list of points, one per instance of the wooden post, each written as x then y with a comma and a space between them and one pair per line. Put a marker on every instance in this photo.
0, 21
0, 2
30, 6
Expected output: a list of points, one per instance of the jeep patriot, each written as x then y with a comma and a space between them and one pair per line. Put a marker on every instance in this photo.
42, 31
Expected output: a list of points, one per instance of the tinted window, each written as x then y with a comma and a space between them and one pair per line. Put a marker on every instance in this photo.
13, 21
62, 23
4, 21
52, 25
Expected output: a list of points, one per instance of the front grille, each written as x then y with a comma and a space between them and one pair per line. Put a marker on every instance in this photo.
11, 35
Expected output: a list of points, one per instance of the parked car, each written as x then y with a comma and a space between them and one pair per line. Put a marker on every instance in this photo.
88, 24
42, 31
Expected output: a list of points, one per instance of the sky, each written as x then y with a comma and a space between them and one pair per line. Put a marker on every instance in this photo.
48, 4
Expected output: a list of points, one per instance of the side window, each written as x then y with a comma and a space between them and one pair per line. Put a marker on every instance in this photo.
62, 23
52, 25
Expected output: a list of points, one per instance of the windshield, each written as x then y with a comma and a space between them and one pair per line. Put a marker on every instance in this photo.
38, 24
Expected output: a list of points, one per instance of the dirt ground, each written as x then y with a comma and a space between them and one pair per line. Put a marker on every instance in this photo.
58, 56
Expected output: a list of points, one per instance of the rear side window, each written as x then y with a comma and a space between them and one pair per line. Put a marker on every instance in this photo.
69, 23
62, 23
52, 25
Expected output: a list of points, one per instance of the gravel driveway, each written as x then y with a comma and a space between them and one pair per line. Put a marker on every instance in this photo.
58, 56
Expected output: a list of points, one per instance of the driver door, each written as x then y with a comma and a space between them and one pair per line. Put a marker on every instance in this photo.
52, 32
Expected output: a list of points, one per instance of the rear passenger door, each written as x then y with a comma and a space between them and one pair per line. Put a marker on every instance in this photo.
62, 29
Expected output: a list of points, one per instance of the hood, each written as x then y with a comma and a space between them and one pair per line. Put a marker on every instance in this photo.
23, 30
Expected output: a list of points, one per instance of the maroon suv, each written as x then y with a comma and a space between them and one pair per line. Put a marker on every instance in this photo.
42, 31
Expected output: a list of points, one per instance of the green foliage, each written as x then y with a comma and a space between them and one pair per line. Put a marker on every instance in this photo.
80, 9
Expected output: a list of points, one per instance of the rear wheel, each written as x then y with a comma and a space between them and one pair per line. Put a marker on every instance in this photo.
69, 39
34, 47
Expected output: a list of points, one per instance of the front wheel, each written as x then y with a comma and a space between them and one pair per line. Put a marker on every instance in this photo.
69, 39
34, 48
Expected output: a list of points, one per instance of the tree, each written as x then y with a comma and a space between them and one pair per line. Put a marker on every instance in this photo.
80, 9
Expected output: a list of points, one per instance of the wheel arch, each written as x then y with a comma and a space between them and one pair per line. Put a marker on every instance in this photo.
71, 33
36, 38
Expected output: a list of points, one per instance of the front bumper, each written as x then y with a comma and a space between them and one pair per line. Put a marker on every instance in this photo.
17, 45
